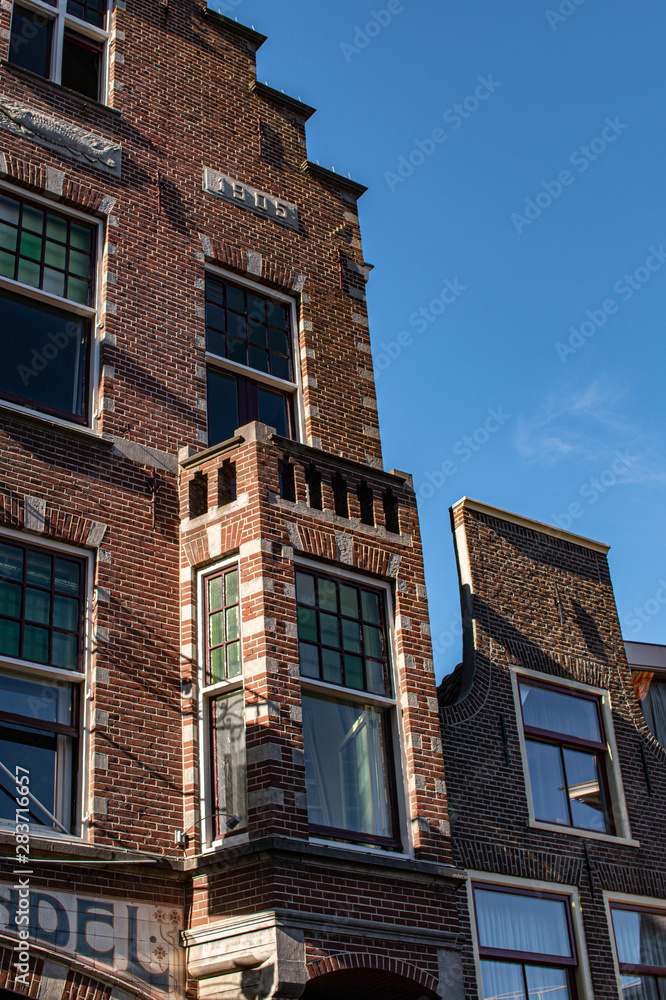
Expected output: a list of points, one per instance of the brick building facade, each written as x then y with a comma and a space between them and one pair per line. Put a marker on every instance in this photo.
219, 721
555, 782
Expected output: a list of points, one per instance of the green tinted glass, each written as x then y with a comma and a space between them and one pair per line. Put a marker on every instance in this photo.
305, 588
231, 582
215, 601
10, 599
9, 637
37, 606
353, 671
67, 576
217, 665
309, 659
38, 569
233, 630
307, 624
349, 601
370, 604
331, 667
9, 210
64, 650
66, 613
329, 629
36, 644
328, 595
233, 659
216, 627
11, 562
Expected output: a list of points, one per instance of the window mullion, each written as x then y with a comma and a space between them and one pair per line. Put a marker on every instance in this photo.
566, 783
58, 38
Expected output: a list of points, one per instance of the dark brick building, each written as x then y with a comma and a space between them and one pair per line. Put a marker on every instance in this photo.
556, 785
218, 722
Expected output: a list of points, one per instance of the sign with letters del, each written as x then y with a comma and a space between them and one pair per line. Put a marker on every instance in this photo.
245, 196
136, 941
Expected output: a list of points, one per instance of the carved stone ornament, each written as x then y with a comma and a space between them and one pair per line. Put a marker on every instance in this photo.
245, 196
61, 136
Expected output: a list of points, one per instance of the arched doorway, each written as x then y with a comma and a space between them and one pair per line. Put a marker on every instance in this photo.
365, 984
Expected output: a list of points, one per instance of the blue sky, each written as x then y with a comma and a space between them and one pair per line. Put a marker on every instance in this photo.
516, 218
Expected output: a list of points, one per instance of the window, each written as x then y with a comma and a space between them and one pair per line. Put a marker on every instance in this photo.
47, 291
566, 756
640, 942
248, 330
348, 746
41, 626
62, 40
526, 943
224, 705
650, 690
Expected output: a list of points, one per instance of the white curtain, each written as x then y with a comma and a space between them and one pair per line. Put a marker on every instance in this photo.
522, 923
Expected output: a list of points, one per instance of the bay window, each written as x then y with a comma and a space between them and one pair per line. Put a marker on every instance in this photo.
47, 294
348, 709
249, 347
42, 611
223, 703
525, 942
63, 41
640, 944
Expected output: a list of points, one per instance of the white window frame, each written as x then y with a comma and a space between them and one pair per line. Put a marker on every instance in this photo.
630, 899
205, 695
92, 313
61, 19
34, 671
617, 802
398, 760
295, 388
570, 892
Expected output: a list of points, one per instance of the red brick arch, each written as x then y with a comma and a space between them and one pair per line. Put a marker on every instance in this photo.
358, 962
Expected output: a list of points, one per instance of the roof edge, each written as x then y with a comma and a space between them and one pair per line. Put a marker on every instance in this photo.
330, 177
527, 522
249, 34
262, 90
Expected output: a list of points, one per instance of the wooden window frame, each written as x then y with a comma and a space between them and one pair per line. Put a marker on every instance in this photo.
562, 741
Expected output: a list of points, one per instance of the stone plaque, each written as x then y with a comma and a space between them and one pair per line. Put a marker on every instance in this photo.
60, 136
246, 196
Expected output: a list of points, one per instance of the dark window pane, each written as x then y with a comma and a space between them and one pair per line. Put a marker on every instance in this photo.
222, 407
640, 937
36, 644
215, 316
277, 315
547, 982
36, 751
258, 359
29, 272
38, 568
78, 290
237, 350
33, 219
307, 625
56, 229
229, 767
65, 648
272, 410
375, 677
80, 237
305, 590
522, 923
349, 601
309, 659
36, 699
81, 65
331, 666
30, 42
67, 576
278, 342
31, 246
280, 367
216, 343
215, 291
8, 237
7, 265
256, 307
329, 629
37, 606
503, 981
66, 613
257, 333
10, 599
547, 783
9, 207
373, 641
44, 355
640, 988
11, 562
235, 299
351, 636
354, 672
346, 766
9, 637
560, 713
328, 595
588, 805
237, 325
55, 255
370, 606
